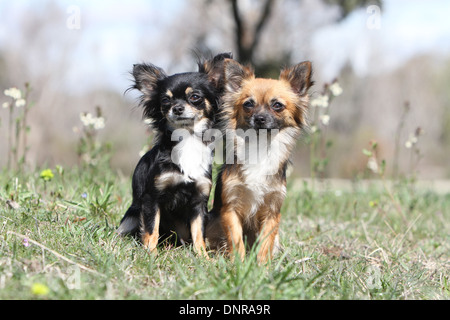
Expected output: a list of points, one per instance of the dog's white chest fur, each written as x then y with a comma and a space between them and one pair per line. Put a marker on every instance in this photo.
258, 177
264, 159
262, 177
192, 156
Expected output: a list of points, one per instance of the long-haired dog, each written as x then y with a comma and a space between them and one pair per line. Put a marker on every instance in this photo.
172, 182
264, 118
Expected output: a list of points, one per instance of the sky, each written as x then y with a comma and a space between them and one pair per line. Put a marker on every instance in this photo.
371, 41
405, 29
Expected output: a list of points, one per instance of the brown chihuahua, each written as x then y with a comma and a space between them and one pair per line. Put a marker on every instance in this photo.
262, 120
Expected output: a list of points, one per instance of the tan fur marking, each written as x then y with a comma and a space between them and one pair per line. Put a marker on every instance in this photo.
197, 236
232, 226
188, 90
204, 186
150, 240
208, 106
168, 179
268, 235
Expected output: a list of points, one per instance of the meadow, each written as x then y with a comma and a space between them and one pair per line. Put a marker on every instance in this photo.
58, 239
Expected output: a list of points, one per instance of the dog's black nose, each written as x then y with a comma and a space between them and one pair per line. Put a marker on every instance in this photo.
260, 119
178, 110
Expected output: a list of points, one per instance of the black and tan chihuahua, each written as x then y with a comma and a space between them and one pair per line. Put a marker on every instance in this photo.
172, 182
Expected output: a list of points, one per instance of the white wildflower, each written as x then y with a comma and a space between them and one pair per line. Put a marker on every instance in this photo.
325, 119
413, 139
14, 93
86, 118
372, 165
320, 101
313, 129
5, 105
20, 103
336, 89
99, 123
89, 120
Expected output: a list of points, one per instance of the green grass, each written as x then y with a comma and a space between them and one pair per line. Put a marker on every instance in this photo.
336, 245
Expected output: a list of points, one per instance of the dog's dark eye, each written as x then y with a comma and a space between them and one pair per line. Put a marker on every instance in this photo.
277, 106
195, 99
249, 104
165, 101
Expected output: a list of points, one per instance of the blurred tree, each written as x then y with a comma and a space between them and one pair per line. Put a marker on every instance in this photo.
247, 37
247, 41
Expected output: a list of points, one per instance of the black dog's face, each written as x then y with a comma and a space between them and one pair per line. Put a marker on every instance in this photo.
186, 99
180, 100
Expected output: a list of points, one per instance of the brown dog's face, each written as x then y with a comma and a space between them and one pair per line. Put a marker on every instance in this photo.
255, 103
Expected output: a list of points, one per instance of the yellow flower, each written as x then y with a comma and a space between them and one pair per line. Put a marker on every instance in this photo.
47, 175
39, 289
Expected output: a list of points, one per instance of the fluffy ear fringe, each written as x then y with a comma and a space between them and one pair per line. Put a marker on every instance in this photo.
235, 73
299, 76
146, 77
214, 68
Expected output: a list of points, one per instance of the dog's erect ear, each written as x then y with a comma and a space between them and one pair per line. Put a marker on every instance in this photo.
214, 68
146, 77
235, 73
299, 76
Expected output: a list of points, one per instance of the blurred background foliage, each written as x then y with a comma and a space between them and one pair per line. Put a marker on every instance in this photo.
76, 56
